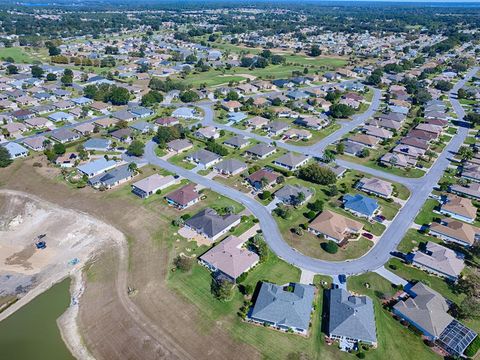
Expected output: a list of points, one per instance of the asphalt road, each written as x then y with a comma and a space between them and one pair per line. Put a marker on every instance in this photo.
380, 253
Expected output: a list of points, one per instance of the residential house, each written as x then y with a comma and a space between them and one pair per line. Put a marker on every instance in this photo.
230, 258
113, 177
35, 143
257, 122
64, 135
185, 113
262, 178
152, 184
123, 135
179, 145
284, 307
96, 167
211, 225
455, 231
376, 187
67, 160
97, 144
207, 132
360, 205
311, 122
61, 116
276, 128
336, 227
364, 140
261, 151
459, 208
230, 167
439, 260
291, 194
291, 161
167, 121
351, 319
204, 158
183, 197
123, 115
398, 160
237, 142
231, 105
471, 191
15, 150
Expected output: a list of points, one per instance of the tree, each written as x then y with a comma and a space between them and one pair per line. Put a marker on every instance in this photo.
5, 159
364, 153
12, 69
258, 243
167, 134
59, 149
443, 85
119, 96
51, 77
54, 51
472, 117
340, 148
232, 95
465, 152
341, 111
330, 247
317, 174
315, 51
67, 78
317, 205
328, 155
37, 71
136, 148
151, 98
189, 96
183, 263
222, 289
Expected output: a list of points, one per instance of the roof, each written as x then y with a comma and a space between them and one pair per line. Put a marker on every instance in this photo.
473, 189
361, 204
261, 150
456, 229
64, 134
179, 144
461, 206
14, 149
351, 316
335, 225
376, 185
364, 139
230, 165
204, 156
289, 192
184, 195
208, 222
112, 176
282, 307
237, 141
426, 308
96, 166
96, 143
440, 258
263, 173
153, 182
291, 159
230, 257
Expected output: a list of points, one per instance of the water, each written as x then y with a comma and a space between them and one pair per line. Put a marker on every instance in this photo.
32, 333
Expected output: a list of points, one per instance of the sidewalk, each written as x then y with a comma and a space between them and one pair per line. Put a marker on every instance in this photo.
390, 276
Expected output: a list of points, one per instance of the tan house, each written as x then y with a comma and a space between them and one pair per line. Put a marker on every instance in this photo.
459, 208
334, 226
455, 231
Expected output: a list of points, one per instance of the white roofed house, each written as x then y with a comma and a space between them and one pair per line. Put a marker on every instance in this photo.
150, 185
291, 161
15, 150
375, 186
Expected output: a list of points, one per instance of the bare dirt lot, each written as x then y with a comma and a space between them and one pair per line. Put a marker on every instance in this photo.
154, 323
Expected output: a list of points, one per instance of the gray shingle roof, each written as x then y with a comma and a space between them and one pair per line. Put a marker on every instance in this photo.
351, 316
210, 223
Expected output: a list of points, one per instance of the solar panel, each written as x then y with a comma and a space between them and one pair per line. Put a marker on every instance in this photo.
456, 337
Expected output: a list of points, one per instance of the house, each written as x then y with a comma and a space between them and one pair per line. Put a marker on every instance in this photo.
106, 122
291, 161
61, 116
211, 225
167, 121
185, 113
261, 151
153, 183
284, 307
311, 122
377, 132
471, 171
207, 132
67, 160
399, 160
262, 178
231, 105
123, 115
122, 135
336, 227
439, 260
85, 128
257, 122
276, 128
410, 151
230, 167
471, 191
351, 318
376, 187
230, 258
352, 148
97, 144
237, 142
64, 135
364, 140
455, 231
299, 134
459, 208
425, 309
291, 194
360, 205
204, 158
38, 123
236, 117
415, 142
113, 177
96, 167
179, 145
183, 197
35, 143
141, 112
15, 150
14, 129
144, 127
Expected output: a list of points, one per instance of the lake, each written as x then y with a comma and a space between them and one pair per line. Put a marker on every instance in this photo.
32, 331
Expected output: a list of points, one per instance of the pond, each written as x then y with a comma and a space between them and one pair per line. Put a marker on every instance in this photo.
32, 331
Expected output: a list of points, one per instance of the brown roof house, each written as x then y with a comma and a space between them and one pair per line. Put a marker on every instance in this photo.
230, 258
365, 140
183, 197
334, 226
459, 208
262, 178
375, 186
455, 231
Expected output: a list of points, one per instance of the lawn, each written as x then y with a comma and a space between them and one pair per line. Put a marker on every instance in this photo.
412, 239
18, 55
373, 163
317, 135
426, 215
394, 340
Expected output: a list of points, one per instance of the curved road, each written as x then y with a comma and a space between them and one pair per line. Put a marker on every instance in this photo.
380, 253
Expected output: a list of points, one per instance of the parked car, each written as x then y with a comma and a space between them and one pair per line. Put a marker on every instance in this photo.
367, 235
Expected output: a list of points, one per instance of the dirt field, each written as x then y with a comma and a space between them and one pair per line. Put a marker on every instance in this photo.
154, 323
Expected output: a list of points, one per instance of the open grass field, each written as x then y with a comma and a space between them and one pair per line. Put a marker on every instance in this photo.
426, 215
18, 55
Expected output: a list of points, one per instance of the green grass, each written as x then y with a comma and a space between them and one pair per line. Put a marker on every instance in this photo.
394, 340
18, 54
412, 239
426, 215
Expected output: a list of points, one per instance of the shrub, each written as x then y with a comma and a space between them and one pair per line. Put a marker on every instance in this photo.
330, 247
473, 348
183, 263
